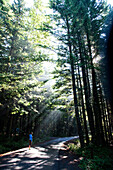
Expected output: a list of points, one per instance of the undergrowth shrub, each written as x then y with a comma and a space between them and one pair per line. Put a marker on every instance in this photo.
93, 157
9, 144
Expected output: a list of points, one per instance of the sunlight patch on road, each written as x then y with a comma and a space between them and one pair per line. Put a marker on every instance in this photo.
39, 157
64, 157
37, 152
14, 160
12, 152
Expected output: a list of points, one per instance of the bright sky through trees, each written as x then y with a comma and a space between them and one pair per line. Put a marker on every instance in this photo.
110, 2
30, 2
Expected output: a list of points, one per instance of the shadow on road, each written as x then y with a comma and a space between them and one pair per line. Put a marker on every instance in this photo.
40, 157
35, 158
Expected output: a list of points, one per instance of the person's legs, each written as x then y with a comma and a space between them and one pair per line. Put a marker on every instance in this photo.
29, 144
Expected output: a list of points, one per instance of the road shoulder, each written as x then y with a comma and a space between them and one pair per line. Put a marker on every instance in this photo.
68, 160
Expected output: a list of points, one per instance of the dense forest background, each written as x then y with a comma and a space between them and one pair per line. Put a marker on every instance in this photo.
51, 79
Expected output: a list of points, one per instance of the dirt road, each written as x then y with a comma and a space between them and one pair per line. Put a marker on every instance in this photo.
44, 156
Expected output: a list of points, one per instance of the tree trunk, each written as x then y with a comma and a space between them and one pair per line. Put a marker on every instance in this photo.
83, 109
97, 111
104, 116
80, 131
109, 121
86, 91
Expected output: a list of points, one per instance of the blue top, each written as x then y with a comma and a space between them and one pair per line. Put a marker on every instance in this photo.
30, 137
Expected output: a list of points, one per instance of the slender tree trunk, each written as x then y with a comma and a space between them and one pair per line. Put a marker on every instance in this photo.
103, 110
86, 91
9, 125
23, 124
14, 124
97, 111
109, 122
83, 109
80, 131
6, 125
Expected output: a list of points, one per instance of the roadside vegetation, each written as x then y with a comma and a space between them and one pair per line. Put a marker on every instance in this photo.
17, 142
10, 144
93, 157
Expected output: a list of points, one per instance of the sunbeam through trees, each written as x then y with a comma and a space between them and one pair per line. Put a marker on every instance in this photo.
55, 70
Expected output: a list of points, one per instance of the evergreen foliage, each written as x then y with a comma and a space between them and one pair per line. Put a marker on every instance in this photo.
76, 104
